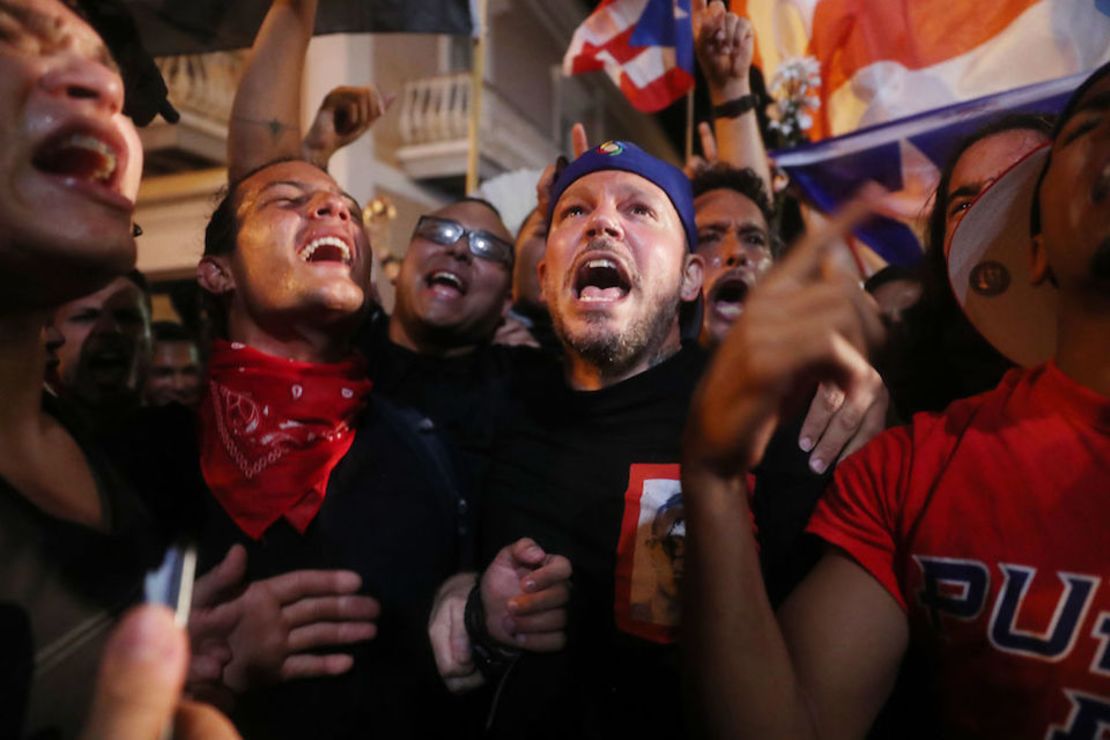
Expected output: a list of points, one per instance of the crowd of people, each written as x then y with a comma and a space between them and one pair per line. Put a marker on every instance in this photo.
639, 470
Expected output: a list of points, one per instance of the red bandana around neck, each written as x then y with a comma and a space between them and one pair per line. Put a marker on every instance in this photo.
272, 430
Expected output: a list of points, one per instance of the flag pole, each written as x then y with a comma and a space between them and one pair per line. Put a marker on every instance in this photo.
689, 124
477, 80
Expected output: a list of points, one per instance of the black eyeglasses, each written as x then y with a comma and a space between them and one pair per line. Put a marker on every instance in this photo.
481, 244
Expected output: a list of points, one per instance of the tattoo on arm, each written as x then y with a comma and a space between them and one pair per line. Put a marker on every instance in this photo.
273, 125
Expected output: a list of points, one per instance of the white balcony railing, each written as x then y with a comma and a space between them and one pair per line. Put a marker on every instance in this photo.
433, 124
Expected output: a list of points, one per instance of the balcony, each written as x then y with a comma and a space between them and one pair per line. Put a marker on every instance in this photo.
433, 124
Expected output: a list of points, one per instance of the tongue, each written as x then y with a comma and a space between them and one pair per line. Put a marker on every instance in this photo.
326, 253
594, 293
445, 290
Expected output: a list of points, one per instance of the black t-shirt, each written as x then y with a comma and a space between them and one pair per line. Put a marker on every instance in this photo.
593, 476
464, 396
393, 514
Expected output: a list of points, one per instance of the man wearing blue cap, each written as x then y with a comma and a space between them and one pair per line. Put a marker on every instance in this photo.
619, 262
587, 460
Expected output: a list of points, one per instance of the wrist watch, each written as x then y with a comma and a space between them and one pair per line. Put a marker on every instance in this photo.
490, 657
736, 107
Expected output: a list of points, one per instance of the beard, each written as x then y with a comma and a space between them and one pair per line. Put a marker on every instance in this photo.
614, 350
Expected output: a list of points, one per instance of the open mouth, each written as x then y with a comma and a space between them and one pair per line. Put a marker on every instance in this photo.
327, 249
446, 283
80, 155
601, 279
727, 297
108, 364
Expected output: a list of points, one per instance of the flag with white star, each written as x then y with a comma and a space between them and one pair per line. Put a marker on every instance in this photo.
905, 157
645, 46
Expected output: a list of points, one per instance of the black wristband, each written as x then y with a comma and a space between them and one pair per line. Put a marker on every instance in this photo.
490, 657
736, 107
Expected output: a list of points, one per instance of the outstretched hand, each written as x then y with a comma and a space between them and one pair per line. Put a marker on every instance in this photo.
213, 615
345, 115
525, 593
806, 322
287, 619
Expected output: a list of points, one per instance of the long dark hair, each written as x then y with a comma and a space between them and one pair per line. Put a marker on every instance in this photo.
938, 356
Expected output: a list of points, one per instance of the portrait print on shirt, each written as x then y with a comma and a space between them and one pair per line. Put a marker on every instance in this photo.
650, 553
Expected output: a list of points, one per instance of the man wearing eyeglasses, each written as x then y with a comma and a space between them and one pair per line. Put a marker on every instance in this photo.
434, 354
453, 288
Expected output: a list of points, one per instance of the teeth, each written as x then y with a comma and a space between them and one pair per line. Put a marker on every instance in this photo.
84, 141
729, 310
601, 263
308, 251
449, 277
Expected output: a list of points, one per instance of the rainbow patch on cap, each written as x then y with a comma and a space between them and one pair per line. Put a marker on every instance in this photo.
612, 148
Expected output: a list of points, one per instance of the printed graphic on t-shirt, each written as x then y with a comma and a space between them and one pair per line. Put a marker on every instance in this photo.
650, 553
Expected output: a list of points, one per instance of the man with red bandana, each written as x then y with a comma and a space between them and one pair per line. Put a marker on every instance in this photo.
973, 536
303, 465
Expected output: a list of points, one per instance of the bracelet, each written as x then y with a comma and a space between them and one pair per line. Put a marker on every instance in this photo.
490, 657
736, 107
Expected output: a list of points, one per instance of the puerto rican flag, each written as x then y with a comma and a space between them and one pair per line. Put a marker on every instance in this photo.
905, 157
902, 81
645, 46
882, 60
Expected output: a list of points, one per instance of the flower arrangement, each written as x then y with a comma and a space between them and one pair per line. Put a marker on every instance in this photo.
794, 89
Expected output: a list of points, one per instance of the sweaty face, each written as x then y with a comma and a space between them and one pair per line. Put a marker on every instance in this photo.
980, 166
1075, 197
615, 270
445, 294
174, 375
107, 342
530, 243
735, 241
69, 158
301, 257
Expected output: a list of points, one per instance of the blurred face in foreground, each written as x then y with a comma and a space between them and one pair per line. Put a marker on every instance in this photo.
1074, 244
69, 158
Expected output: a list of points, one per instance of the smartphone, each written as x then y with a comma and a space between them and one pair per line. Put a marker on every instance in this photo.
171, 583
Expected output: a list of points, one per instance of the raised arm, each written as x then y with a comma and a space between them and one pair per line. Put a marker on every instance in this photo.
265, 117
724, 43
824, 667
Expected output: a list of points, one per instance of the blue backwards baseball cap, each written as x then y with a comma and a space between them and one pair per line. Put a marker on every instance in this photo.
626, 156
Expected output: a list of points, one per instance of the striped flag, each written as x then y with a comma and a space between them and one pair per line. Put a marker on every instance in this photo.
905, 157
645, 46
882, 60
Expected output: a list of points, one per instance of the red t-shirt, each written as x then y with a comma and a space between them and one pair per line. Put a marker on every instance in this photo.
990, 525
